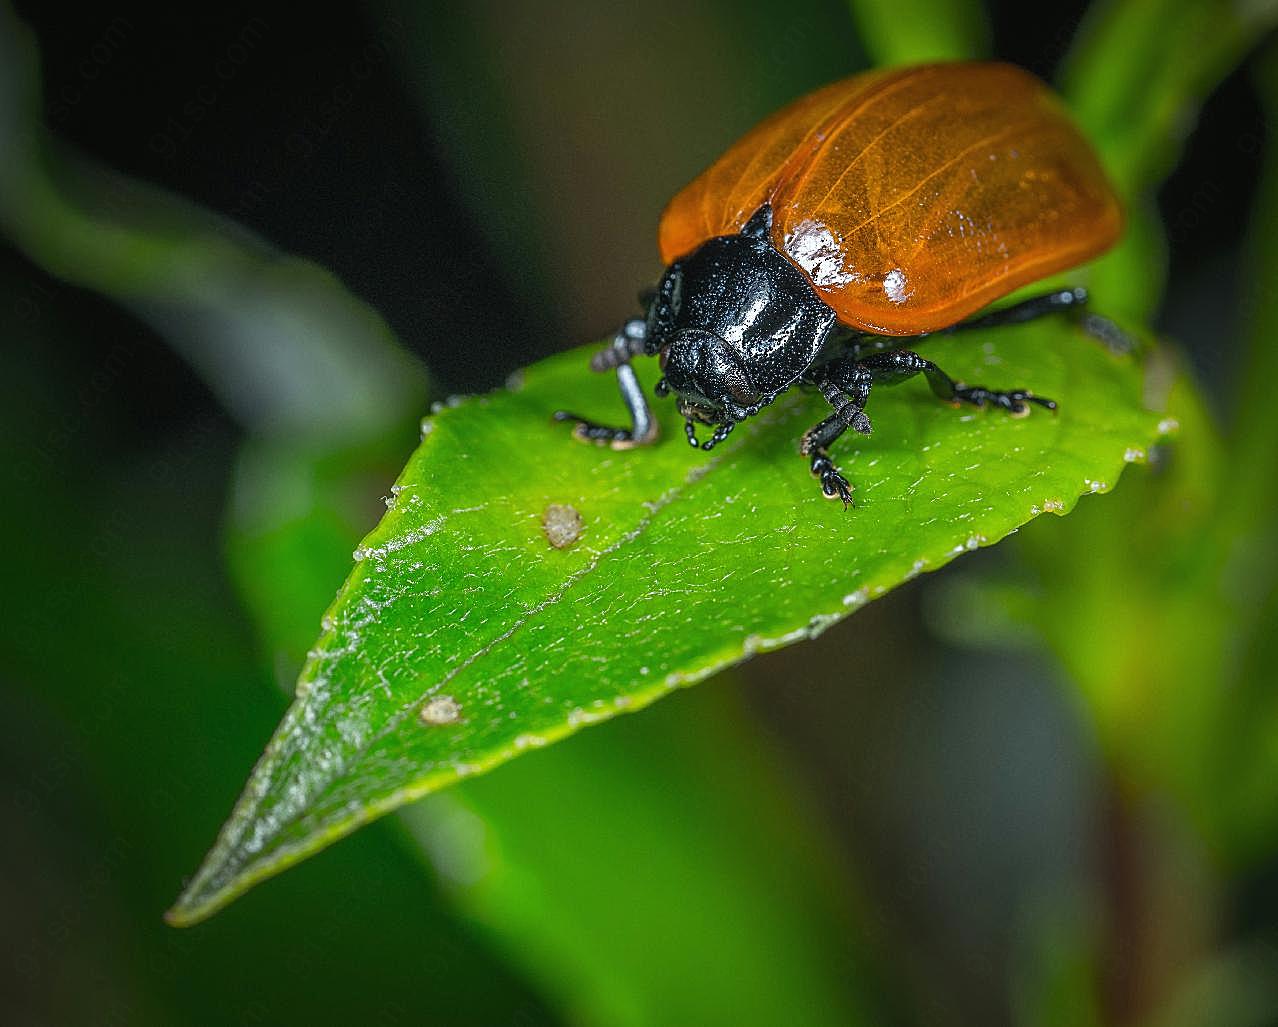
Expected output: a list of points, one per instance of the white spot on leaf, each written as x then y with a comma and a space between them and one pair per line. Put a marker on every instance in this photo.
562, 525
443, 709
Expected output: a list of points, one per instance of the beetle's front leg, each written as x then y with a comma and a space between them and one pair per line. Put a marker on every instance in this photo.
627, 343
845, 387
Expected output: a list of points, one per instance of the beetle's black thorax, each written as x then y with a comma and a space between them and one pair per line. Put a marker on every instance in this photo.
735, 321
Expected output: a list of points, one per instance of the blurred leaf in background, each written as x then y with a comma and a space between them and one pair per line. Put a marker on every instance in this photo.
1168, 589
130, 694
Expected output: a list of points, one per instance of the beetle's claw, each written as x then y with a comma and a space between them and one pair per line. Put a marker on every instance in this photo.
586, 430
1014, 401
833, 484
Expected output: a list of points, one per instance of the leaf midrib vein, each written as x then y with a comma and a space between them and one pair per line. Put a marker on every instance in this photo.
652, 510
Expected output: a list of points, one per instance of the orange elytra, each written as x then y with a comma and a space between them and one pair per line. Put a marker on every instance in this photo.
911, 198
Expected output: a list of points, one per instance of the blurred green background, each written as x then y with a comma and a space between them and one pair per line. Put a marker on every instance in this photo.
245, 248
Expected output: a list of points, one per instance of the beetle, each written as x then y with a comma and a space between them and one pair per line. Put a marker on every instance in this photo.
859, 220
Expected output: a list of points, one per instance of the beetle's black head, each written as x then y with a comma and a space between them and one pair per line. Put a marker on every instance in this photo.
708, 377
735, 324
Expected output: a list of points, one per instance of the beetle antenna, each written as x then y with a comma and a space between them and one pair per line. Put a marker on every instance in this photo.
690, 430
720, 433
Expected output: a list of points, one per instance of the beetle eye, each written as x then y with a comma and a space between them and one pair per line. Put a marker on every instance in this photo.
738, 386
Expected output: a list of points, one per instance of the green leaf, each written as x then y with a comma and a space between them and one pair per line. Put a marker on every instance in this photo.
463, 637
912, 31
532, 853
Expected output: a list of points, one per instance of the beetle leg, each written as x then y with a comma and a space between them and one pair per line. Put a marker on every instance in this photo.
815, 445
845, 387
1026, 310
1109, 335
627, 343
848, 344
1073, 300
897, 366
